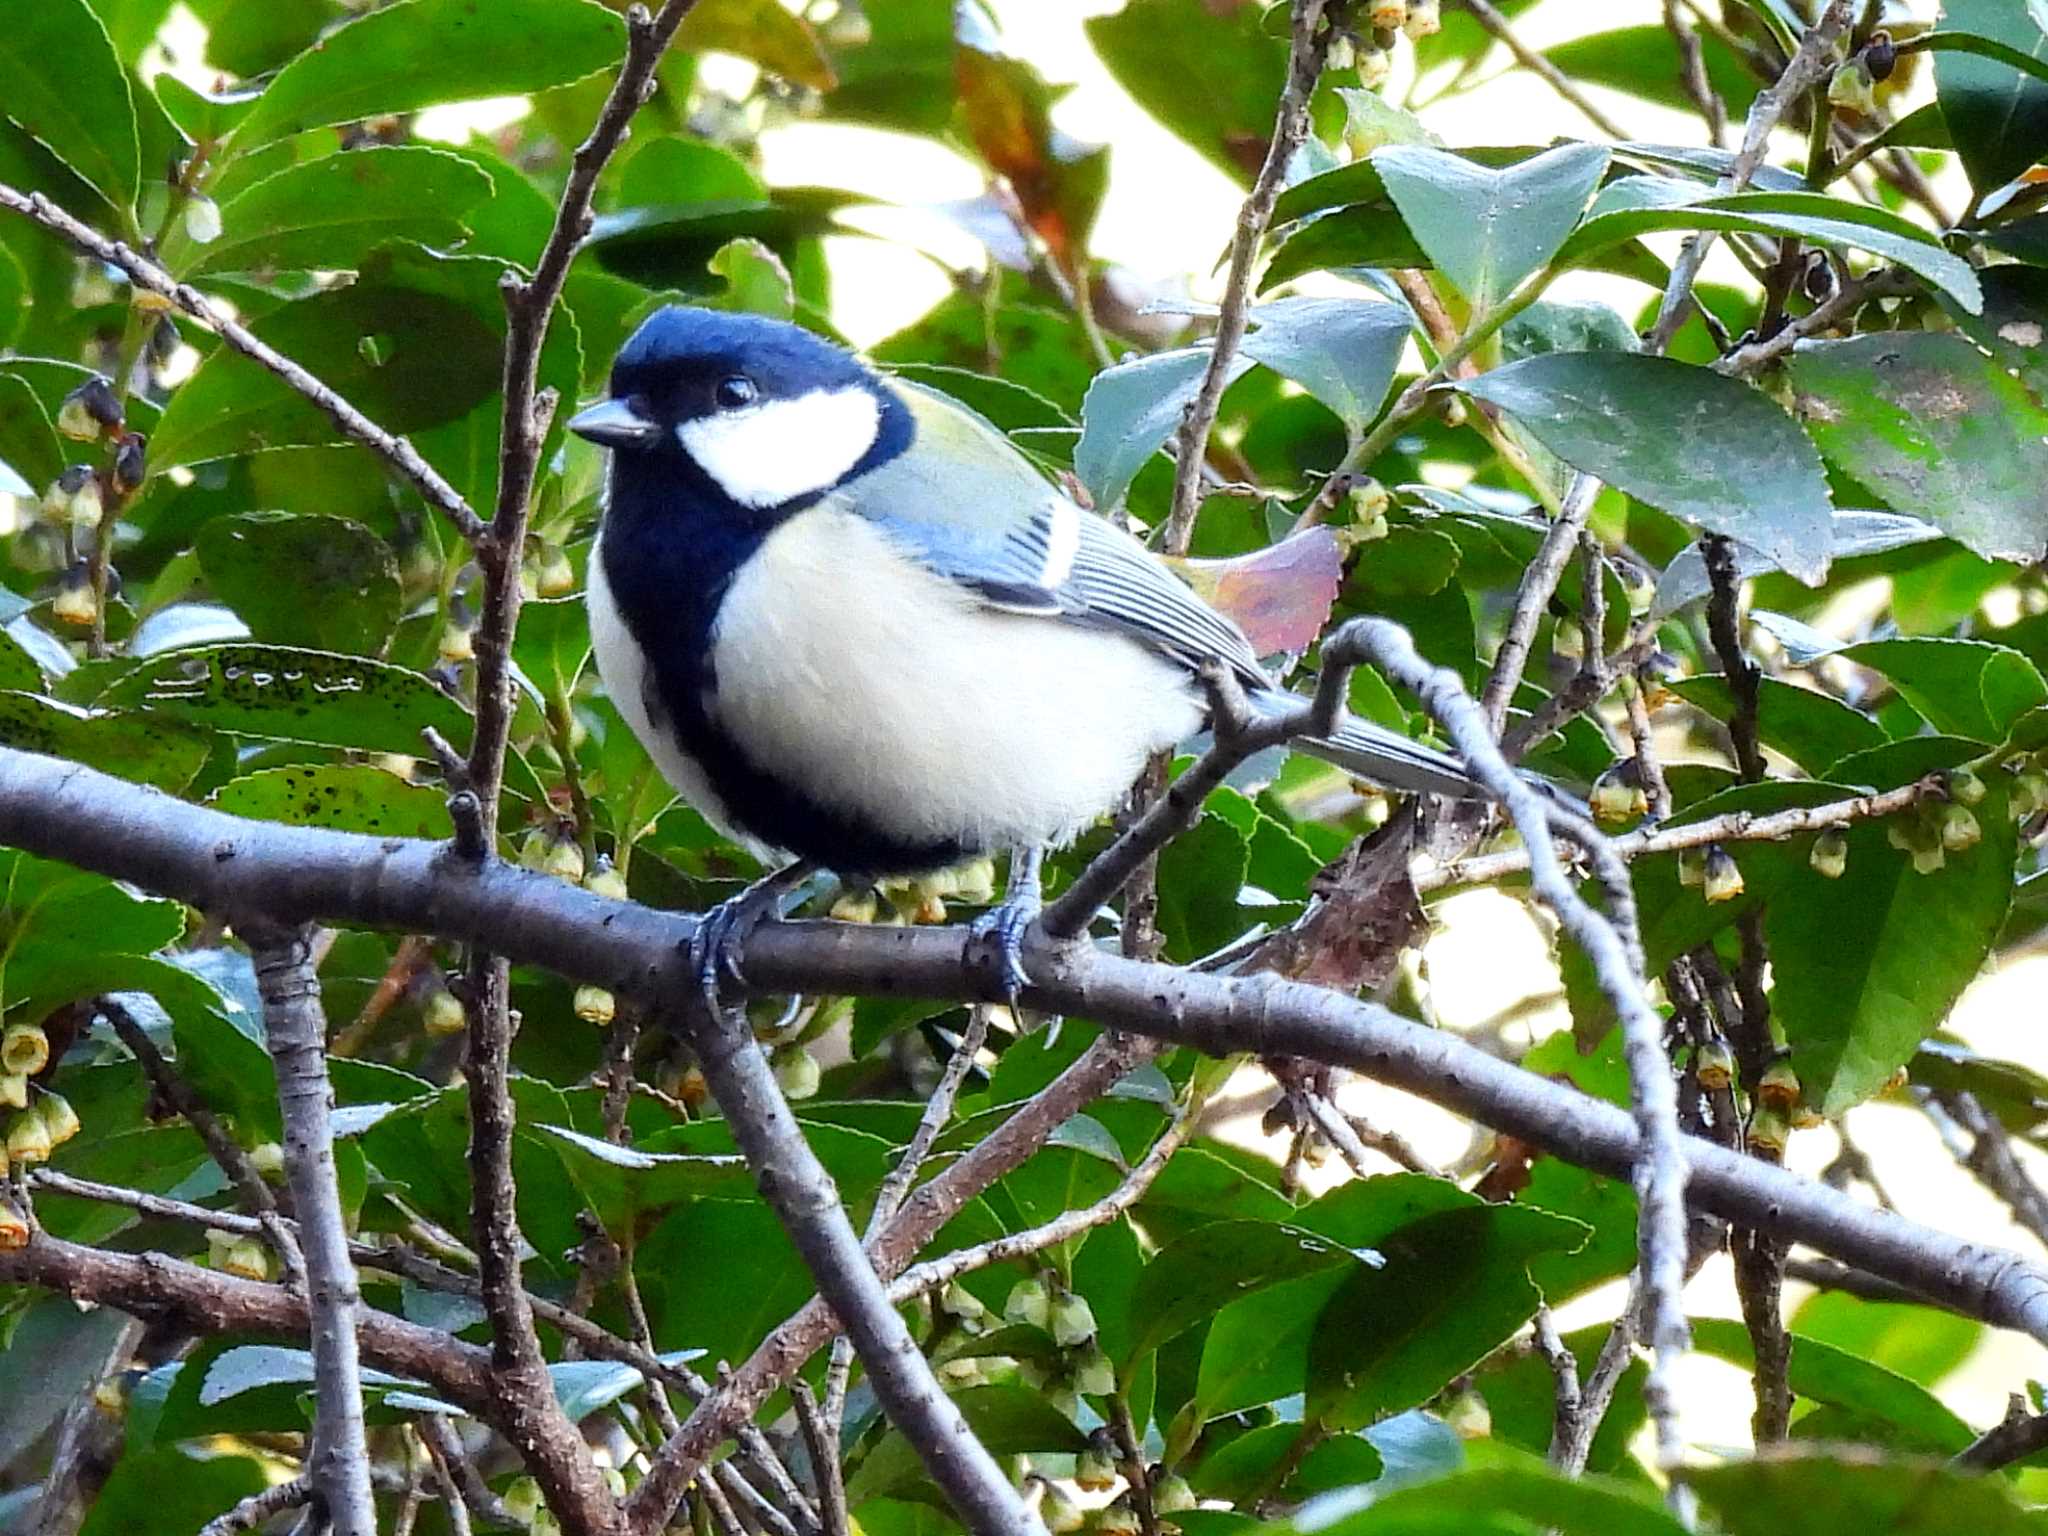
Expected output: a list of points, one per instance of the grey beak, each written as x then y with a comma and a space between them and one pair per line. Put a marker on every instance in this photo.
613, 424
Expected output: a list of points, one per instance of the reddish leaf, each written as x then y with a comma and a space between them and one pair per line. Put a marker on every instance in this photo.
1279, 596
1007, 111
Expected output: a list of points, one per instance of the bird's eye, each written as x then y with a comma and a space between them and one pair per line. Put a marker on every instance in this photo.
735, 392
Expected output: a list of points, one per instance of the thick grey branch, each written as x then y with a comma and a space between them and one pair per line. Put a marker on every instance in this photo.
64, 811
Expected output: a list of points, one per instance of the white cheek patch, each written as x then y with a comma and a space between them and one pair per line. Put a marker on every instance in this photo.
781, 449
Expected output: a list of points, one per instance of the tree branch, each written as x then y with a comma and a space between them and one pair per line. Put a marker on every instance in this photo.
259, 1507
295, 1028
800, 1191
145, 274
61, 810
1310, 43
1498, 28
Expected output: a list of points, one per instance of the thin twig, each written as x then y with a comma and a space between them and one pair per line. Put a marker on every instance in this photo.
352, 423
2018, 1435
1610, 943
1989, 1155
1310, 41
444, 1446
1541, 67
1532, 600
822, 1441
1692, 60
1567, 1396
801, 1193
1839, 307
942, 1271
1807, 66
1730, 827
259, 1507
295, 1028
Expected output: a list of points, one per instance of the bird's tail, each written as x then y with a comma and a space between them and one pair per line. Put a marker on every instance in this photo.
1388, 758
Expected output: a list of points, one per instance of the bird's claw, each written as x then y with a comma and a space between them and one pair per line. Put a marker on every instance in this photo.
722, 932
998, 936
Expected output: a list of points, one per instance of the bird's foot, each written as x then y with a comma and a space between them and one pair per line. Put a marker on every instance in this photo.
722, 932
997, 939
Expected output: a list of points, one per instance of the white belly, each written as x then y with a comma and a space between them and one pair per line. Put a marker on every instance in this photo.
901, 699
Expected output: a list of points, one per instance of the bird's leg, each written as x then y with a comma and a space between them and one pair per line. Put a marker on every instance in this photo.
725, 927
1003, 928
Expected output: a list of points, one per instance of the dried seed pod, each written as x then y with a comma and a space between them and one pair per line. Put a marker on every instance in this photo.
90, 410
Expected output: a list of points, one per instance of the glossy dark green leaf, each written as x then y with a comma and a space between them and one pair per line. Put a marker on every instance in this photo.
1488, 229
1938, 429
1961, 687
1449, 1288
1868, 965
1520, 1392
1658, 430
1368, 235
199, 116
900, 74
15, 297
1844, 1495
1998, 114
421, 52
1131, 410
756, 281
62, 918
348, 797
1006, 1419
1814, 729
303, 579
55, 1353
2013, 325
282, 694
61, 81
130, 746
1200, 875
332, 212
1190, 1279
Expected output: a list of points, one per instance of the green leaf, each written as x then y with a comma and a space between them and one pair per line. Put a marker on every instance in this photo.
1210, 74
29, 444
410, 343
1450, 1288
1642, 205
54, 1353
1848, 1495
1644, 62
62, 82
760, 30
282, 694
1922, 1344
1517, 1496
1960, 687
1997, 115
304, 579
1365, 236
1814, 729
167, 1490
1130, 411
1486, 229
625, 1184
756, 281
199, 116
1200, 875
60, 919
1825, 1374
1935, 427
332, 212
423, 52
1342, 351
2013, 326
1008, 1420
1193, 1277
131, 746
347, 797
1867, 966
901, 75
1520, 1392
15, 298
253, 37
1657, 429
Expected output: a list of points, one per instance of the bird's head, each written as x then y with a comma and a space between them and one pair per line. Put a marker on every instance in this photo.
768, 412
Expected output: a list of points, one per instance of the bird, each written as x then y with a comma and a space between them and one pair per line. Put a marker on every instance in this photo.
859, 631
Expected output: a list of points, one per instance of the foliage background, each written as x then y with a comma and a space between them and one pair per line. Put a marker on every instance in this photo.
192, 544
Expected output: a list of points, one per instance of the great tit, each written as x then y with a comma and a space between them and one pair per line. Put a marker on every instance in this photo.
854, 625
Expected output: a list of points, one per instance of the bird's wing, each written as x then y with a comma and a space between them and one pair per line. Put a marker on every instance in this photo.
972, 508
